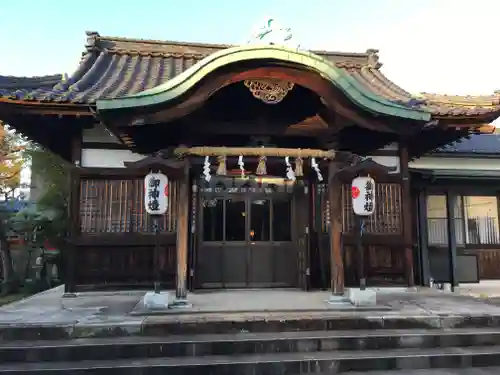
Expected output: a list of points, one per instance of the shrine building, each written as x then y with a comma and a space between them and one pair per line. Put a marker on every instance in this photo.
260, 143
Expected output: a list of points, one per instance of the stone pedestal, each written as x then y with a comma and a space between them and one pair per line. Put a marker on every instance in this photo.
156, 301
358, 297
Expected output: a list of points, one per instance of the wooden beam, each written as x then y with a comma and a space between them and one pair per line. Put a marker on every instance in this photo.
336, 251
234, 128
254, 151
406, 205
451, 203
182, 240
423, 236
74, 214
172, 167
20, 108
366, 166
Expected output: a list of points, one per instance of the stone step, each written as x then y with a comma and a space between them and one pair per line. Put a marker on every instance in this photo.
242, 343
445, 371
276, 363
236, 323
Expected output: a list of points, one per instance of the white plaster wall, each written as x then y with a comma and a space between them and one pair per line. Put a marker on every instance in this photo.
104, 158
107, 158
388, 161
437, 162
390, 147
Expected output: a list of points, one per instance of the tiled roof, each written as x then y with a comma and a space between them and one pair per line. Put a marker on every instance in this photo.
114, 67
478, 144
9, 85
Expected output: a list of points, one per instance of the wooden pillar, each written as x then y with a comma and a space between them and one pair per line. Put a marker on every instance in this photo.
69, 255
182, 242
336, 258
451, 202
423, 237
406, 212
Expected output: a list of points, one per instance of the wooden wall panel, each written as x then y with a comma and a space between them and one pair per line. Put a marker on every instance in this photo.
489, 263
384, 265
112, 266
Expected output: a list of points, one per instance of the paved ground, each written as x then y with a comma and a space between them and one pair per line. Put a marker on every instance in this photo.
486, 288
50, 308
472, 371
90, 311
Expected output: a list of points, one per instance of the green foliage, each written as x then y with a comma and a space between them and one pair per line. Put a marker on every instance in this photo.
48, 219
11, 161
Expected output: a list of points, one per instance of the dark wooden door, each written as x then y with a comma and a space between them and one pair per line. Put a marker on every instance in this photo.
301, 232
246, 241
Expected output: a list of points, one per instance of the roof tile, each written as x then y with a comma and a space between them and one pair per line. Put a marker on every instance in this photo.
479, 144
114, 67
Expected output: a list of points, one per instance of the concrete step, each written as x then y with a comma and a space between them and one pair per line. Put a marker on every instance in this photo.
333, 362
242, 343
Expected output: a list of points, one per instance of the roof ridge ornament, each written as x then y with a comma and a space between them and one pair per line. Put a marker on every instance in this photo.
273, 33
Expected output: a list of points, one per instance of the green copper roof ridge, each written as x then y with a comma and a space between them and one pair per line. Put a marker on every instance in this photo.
341, 79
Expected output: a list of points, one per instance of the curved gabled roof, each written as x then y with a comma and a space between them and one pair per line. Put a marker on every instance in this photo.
116, 67
338, 77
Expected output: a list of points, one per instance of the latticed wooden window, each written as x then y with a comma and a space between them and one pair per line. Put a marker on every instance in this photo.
387, 216
385, 220
117, 206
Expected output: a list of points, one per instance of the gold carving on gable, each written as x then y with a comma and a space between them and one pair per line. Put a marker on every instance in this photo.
270, 91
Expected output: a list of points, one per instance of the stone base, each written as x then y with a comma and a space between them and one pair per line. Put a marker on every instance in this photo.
180, 303
69, 295
156, 301
358, 297
338, 300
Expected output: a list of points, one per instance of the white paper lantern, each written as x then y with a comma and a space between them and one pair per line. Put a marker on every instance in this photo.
363, 196
156, 193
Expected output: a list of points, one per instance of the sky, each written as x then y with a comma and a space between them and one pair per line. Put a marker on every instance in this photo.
441, 46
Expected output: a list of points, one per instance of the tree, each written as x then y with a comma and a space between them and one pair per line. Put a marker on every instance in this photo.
53, 202
11, 163
46, 221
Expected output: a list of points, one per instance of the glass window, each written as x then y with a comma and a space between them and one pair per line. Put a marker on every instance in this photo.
481, 224
260, 220
436, 220
437, 227
213, 219
282, 220
235, 220
476, 220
